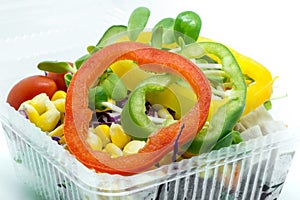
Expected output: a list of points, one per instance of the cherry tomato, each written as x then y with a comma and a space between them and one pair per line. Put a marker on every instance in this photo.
59, 80
29, 87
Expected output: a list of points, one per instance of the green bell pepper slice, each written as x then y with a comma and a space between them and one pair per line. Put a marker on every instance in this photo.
220, 131
133, 118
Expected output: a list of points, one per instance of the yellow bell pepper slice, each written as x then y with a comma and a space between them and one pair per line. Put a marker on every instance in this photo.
261, 89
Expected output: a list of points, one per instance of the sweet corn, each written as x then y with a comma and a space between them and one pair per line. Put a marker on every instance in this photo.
113, 150
48, 120
49, 105
31, 112
60, 105
103, 132
59, 95
164, 113
103, 128
58, 131
94, 141
38, 102
118, 136
133, 147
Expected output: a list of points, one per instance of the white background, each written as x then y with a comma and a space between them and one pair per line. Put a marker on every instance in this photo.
34, 31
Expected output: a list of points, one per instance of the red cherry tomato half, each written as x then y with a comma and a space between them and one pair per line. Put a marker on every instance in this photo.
29, 87
59, 80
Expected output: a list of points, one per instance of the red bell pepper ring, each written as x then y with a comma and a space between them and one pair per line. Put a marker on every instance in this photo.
78, 115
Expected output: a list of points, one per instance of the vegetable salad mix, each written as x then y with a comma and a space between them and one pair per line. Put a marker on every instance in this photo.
140, 99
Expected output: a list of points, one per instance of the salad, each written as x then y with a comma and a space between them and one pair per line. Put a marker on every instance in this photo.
143, 98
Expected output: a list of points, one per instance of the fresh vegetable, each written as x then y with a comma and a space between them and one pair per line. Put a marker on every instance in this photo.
168, 34
111, 33
222, 122
78, 115
96, 96
114, 87
57, 71
260, 89
59, 79
187, 25
137, 22
118, 136
42, 112
131, 106
29, 87
56, 67
133, 118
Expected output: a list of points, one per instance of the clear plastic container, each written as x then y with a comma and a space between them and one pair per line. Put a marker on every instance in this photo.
250, 170
255, 169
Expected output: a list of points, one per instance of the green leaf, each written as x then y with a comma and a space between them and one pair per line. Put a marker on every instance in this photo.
167, 24
81, 60
97, 95
137, 22
193, 50
68, 78
56, 67
92, 49
157, 37
114, 87
225, 141
111, 34
236, 137
195, 146
181, 42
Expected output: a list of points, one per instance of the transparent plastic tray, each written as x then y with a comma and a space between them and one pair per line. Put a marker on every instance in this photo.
251, 170
255, 169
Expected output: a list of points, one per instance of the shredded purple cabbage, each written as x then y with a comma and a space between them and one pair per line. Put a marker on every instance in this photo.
105, 118
57, 139
122, 103
22, 112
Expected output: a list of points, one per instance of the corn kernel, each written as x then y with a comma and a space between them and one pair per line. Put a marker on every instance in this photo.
60, 105
94, 141
31, 112
118, 136
164, 113
103, 132
133, 147
113, 150
21, 107
59, 95
38, 102
58, 131
49, 105
103, 128
48, 120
